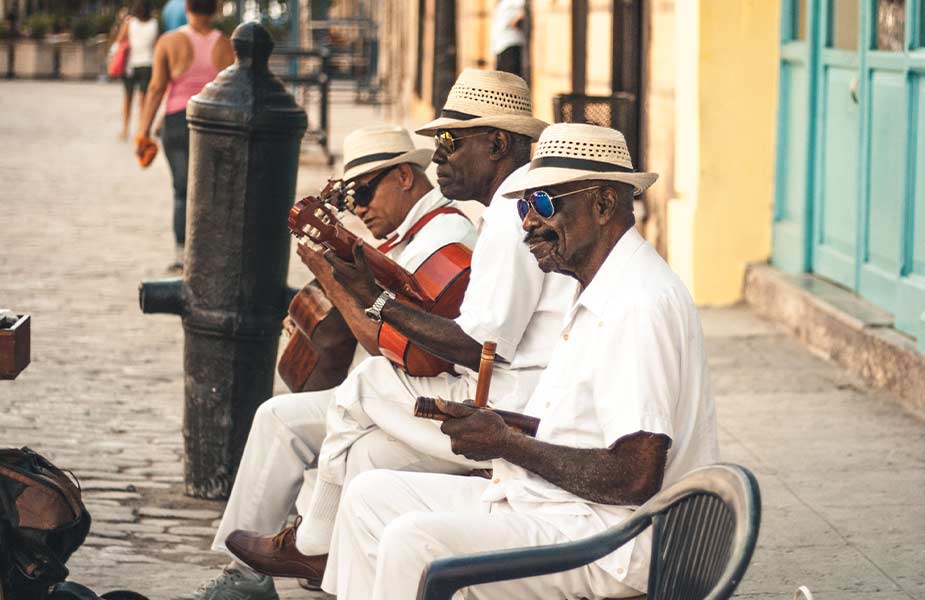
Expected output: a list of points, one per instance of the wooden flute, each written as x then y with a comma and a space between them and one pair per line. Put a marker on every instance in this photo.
427, 408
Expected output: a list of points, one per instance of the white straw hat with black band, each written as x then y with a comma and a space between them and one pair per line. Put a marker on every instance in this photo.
568, 152
482, 98
373, 148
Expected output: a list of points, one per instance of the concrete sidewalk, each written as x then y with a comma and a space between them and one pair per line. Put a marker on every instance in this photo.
841, 469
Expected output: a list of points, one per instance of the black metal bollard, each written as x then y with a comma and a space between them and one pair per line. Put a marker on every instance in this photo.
245, 133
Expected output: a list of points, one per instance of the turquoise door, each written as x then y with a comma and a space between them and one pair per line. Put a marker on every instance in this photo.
836, 191
850, 196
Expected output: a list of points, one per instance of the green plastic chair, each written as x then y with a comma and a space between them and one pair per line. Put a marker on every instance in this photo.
705, 528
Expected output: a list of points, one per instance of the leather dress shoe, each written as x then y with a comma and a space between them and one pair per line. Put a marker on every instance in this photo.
276, 555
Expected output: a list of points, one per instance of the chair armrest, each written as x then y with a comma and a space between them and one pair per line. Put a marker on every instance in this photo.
443, 577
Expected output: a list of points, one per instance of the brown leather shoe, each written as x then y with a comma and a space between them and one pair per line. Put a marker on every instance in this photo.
276, 555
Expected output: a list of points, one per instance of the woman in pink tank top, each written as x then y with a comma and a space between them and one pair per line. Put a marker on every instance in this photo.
185, 60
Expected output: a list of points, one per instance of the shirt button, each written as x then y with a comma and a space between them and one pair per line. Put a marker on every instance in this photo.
565, 336
496, 480
620, 571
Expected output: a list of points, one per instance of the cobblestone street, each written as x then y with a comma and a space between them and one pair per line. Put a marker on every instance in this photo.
841, 468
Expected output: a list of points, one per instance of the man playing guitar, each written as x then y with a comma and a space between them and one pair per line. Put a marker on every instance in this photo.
393, 197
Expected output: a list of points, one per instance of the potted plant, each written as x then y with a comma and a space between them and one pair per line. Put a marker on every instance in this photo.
81, 56
34, 57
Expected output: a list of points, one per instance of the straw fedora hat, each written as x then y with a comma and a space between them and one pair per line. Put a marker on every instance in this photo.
487, 99
570, 152
372, 148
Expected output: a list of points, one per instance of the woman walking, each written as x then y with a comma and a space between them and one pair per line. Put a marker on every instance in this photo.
185, 60
140, 30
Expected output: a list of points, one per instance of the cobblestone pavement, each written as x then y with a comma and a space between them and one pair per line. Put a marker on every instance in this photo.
842, 469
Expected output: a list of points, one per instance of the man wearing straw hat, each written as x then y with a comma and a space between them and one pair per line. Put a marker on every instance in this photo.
398, 204
627, 381
483, 137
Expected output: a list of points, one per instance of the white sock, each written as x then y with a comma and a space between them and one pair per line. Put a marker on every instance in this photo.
314, 534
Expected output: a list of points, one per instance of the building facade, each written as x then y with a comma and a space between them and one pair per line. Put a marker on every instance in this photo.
783, 130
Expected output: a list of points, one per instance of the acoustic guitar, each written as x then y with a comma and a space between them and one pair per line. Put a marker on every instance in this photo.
437, 286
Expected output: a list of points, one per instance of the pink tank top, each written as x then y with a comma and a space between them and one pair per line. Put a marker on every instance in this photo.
200, 72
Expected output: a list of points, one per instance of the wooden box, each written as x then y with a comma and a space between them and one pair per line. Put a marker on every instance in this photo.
14, 348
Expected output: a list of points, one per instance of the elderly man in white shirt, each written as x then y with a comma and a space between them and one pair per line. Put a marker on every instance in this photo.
397, 202
624, 405
483, 136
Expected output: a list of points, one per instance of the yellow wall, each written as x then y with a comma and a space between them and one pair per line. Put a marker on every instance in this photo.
721, 218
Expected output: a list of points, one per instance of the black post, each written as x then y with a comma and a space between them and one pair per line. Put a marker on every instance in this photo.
444, 51
245, 133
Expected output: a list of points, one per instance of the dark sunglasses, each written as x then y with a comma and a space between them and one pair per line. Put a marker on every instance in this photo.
362, 195
447, 141
542, 202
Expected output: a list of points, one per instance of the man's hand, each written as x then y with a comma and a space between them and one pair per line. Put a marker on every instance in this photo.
314, 260
474, 433
355, 277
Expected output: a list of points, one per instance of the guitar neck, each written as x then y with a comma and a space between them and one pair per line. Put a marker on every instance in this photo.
387, 272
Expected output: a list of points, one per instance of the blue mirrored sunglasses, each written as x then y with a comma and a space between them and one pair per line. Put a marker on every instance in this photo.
542, 202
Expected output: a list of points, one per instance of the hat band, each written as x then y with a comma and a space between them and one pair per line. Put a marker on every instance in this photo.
455, 114
578, 163
356, 162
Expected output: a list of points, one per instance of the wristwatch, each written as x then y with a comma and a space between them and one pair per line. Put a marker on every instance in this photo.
374, 312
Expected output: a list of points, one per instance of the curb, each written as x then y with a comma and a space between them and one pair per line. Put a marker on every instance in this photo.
843, 328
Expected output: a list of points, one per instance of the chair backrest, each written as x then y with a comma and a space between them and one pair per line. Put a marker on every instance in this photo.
705, 528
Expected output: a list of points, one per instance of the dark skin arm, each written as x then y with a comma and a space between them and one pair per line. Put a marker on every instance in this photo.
629, 472
439, 335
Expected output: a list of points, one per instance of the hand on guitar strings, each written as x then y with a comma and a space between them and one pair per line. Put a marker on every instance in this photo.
474, 433
312, 256
355, 277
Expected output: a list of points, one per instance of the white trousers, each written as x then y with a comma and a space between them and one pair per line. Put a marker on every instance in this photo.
378, 396
283, 442
391, 525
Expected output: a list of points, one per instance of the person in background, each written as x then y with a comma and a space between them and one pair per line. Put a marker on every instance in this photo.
173, 15
140, 29
507, 36
185, 60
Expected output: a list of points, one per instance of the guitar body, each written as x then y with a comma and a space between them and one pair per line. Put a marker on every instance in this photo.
443, 277
320, 350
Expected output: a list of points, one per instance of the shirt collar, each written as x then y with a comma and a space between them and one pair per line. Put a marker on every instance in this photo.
430, 201
600, 291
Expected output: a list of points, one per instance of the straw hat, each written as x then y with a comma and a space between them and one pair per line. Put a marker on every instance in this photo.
372, 148
570, 152
487, 99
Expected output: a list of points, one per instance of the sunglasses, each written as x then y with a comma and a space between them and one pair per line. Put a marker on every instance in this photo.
543, 204
447, 141
362, 195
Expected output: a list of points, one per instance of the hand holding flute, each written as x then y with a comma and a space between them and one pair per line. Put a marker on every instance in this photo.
476, 431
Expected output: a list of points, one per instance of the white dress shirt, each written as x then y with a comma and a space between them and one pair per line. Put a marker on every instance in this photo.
438, 232
629, 358
509, 300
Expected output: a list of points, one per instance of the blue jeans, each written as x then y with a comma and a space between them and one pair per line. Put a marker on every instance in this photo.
175, 137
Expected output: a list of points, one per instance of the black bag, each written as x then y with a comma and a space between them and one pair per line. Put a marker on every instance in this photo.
74, 591
42, 522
